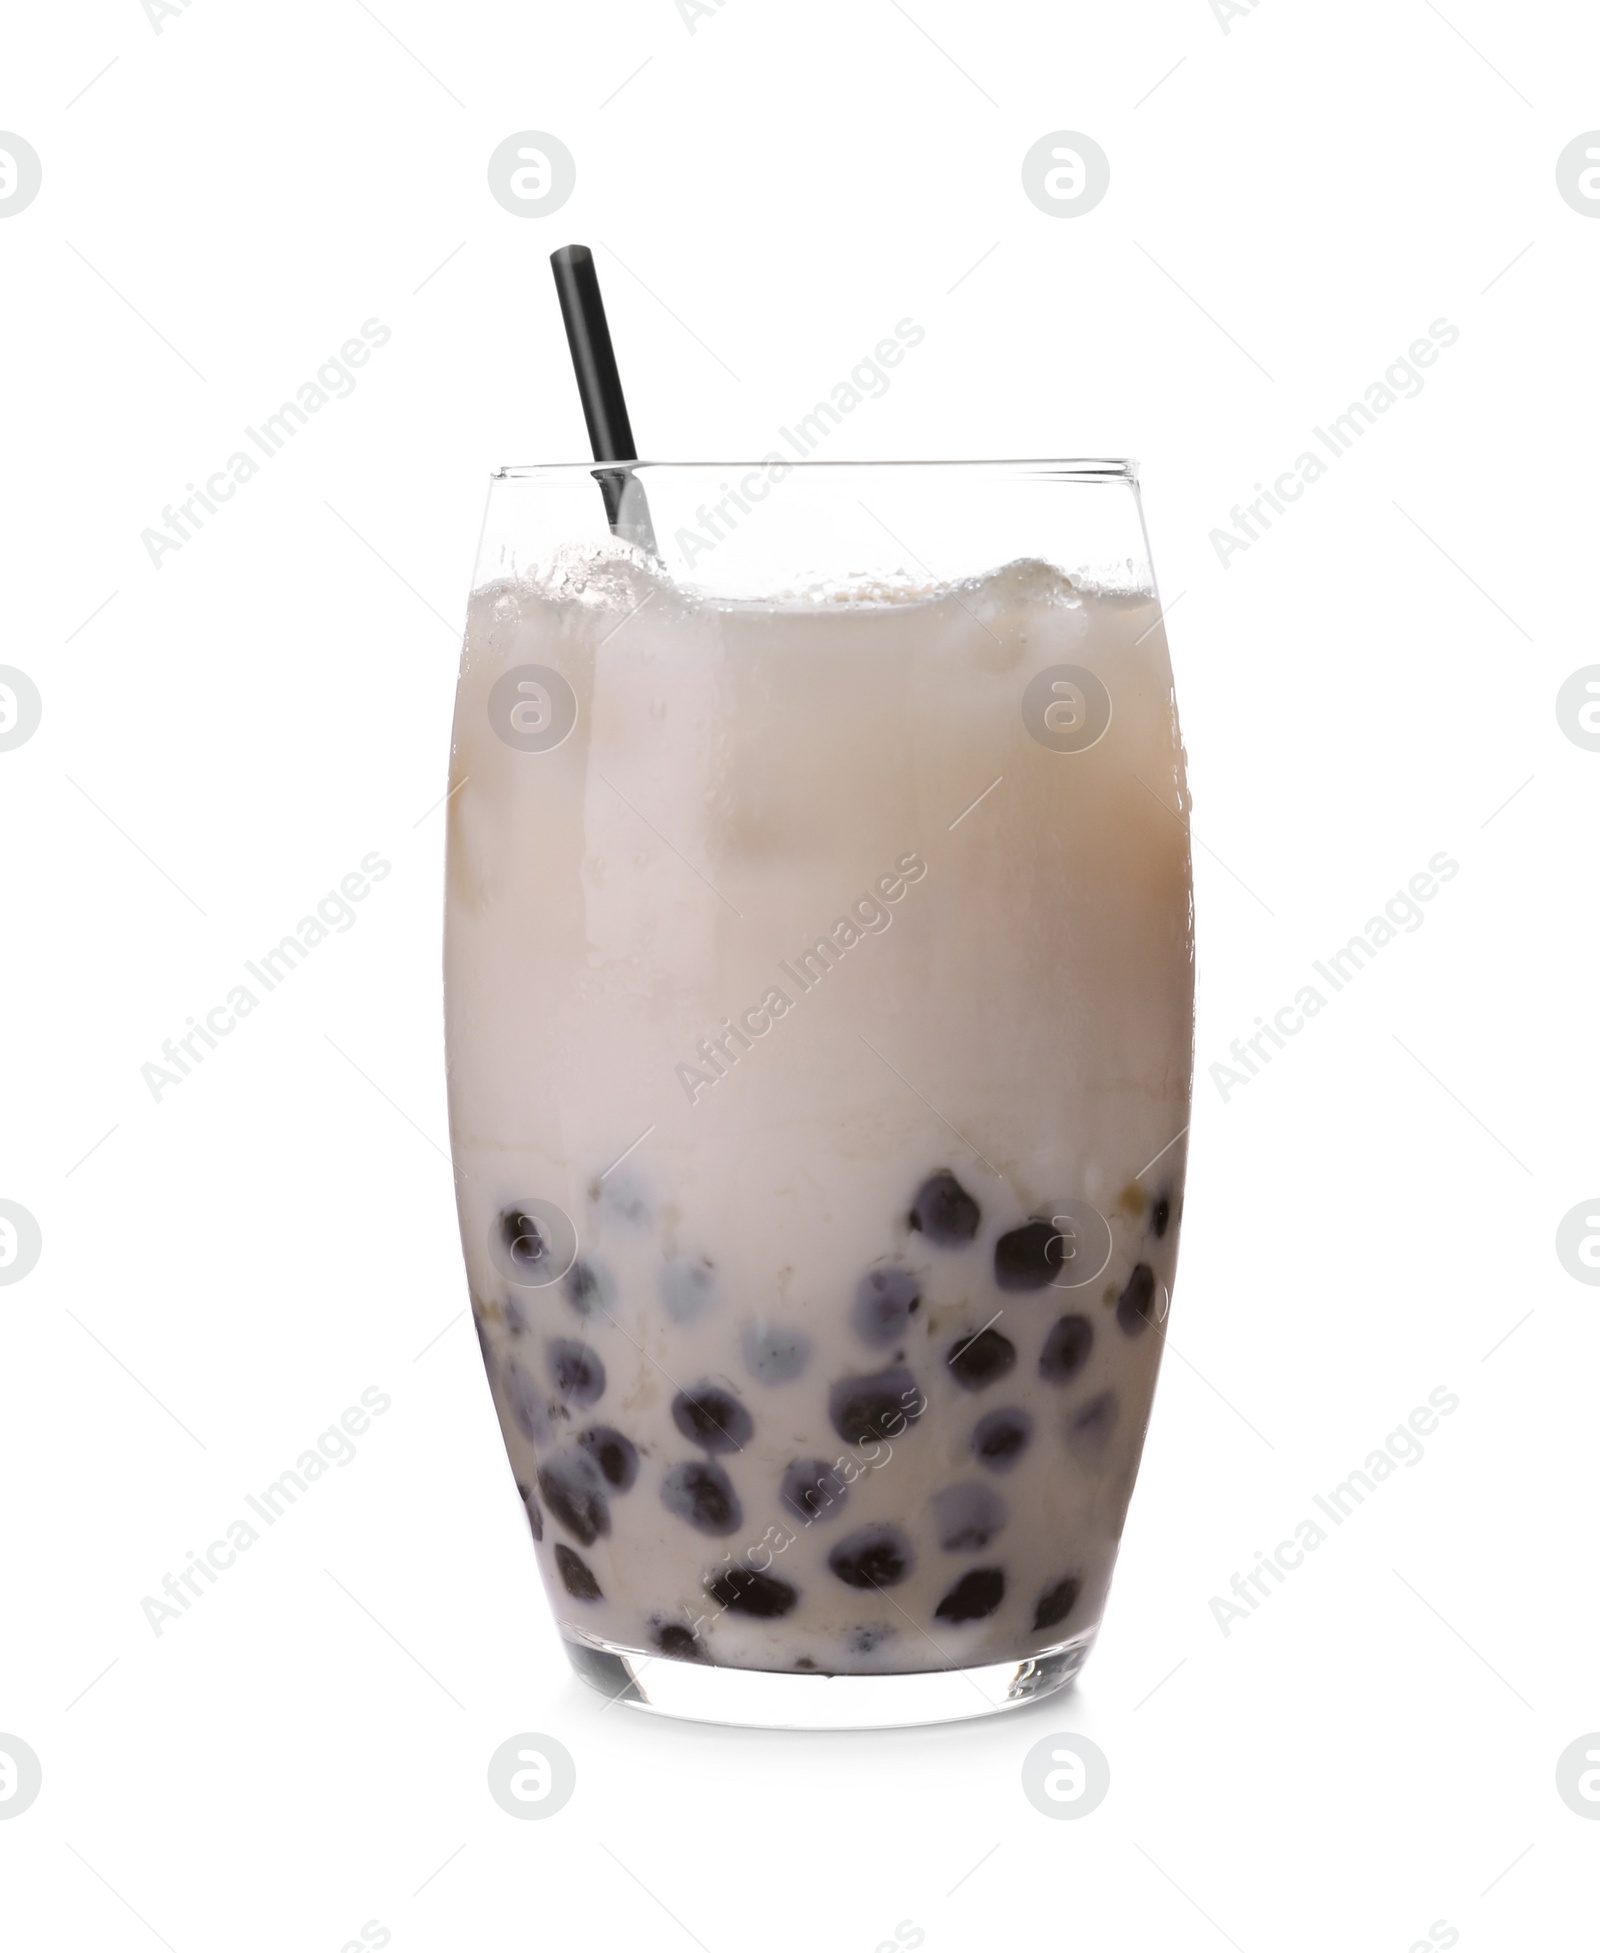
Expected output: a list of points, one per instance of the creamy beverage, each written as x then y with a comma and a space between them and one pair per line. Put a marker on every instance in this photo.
819, 1007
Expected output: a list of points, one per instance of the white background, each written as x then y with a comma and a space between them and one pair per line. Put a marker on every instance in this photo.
1371, 1218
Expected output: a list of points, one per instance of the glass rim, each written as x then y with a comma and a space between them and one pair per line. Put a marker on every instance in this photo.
1092, 469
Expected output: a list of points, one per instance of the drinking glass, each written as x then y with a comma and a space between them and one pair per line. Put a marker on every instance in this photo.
819, 996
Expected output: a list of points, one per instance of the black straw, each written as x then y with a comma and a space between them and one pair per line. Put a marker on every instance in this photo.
584, 314
605, 412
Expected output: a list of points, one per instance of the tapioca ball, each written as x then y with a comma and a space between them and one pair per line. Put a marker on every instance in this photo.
875, 1407
812, 1490
1000, 1438
974, 1597
577, 1578
1057, 1602
702, 1494
742, 1590
774, 1355
1089, 1428
944, 1211
977, 1361
873, 1556
677, 1642
1066, 1349
967, 1517
712, 1418
575, 1493
526, 1242
588, 1288
886, 1300
1028, 1257
576, 1371
616, 1455
1136, 1303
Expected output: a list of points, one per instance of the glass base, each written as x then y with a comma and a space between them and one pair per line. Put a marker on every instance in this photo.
759, 1698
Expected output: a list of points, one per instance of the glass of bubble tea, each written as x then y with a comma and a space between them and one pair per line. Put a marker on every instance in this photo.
819, 992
